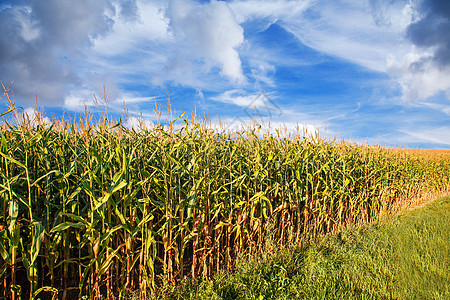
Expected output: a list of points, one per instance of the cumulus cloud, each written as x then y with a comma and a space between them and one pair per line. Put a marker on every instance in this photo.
175, 42
41, 38
419, 76
208, 32
134, 28
139, 123
432, 30
425, 71
71, 25
35, 117
65, 51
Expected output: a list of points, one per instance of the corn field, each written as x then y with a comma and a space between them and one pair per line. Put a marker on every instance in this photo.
100, 211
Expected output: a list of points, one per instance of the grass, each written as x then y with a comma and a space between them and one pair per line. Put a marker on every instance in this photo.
403, 257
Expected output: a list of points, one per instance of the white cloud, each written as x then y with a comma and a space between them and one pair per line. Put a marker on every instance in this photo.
263, 72
348, 29
419, 76
30, 28
34, 117
150, 25
208, 33
41, 39
436, 106
241, 98
129, 99
372, 34
269, 9
70, 25
439, 135
78, 100
425, 70
139, 123
446, 110
275, 127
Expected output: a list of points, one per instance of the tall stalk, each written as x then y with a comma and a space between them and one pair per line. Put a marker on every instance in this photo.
97, 209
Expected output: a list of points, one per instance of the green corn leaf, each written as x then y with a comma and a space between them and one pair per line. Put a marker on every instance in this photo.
85, 275
65, 225
119, 123
12, 160
76, 218
107, 235
108, 261
4, 144
43, 176
175, 119
38, 235
120, 215
21, 199
74, 193
4, 243
139, 226
118, 186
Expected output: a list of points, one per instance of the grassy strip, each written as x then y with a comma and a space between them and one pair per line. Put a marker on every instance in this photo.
406, 257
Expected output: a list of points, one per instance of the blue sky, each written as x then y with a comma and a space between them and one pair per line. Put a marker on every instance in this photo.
375, 70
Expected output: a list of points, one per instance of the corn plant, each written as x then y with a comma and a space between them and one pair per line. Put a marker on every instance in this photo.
100, 210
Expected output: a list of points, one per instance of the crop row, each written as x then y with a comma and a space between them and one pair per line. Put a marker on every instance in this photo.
106, 210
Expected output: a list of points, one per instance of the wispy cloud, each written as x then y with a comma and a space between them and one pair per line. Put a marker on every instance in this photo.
242, 98
439, 135
270, 11
351, 30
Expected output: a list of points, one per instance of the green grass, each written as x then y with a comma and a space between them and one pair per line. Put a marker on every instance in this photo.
404, 257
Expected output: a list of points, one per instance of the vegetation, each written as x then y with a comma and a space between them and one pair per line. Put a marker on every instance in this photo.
404, 257
103, 210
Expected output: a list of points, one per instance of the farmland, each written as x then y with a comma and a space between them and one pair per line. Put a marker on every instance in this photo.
402, 256
93, 208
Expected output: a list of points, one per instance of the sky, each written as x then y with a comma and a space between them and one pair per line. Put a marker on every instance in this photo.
369, 71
